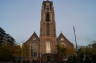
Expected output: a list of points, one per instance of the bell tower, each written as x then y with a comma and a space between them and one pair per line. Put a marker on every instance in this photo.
47, 28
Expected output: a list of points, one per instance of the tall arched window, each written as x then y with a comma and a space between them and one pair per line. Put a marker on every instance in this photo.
48, 29
47, 17
48, 47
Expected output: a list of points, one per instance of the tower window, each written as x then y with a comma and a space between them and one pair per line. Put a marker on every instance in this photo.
48, 47
48, 29
47, 17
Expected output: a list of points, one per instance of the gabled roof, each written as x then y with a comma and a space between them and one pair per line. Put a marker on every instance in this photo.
62, 36
35, 35
33, 38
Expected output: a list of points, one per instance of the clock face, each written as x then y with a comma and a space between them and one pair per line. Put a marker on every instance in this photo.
62, 39
47, 4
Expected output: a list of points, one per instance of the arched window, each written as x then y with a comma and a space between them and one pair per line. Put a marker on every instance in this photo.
48, 28
47, 17
48, 47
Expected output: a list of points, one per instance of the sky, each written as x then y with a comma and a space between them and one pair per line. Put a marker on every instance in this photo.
20, 18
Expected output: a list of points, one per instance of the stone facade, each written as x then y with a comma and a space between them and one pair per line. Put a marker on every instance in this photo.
63, 41
46, 43
47, 28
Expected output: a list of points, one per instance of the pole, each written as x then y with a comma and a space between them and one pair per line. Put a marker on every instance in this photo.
75, 37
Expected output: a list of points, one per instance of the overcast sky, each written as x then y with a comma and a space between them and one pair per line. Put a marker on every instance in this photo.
20, 18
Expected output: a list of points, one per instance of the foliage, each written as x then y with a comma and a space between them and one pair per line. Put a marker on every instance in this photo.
5, 53
17, 51
87, 51
61, 50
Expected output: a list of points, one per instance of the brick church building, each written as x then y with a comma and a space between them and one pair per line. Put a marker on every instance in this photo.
46, 43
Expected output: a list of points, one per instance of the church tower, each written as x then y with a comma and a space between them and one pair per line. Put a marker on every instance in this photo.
47, 28
37, 47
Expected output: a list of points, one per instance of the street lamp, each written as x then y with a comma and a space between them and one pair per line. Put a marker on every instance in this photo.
75, 39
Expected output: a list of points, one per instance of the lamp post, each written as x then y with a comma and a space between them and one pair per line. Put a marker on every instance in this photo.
75, 39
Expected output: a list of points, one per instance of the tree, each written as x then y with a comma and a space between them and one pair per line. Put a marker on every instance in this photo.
61, 51
5, 53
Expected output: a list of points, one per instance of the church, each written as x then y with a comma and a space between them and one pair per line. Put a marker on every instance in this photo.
47, 41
